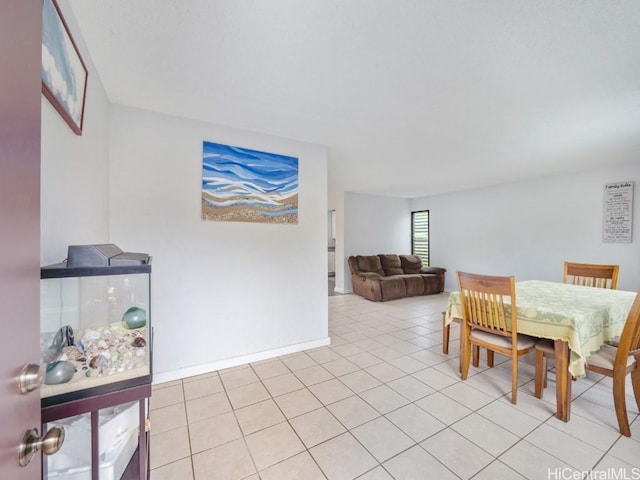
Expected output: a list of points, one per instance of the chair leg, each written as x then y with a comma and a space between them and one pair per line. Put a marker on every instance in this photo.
541, 374
546, 370
489, 358
514, 379
620, 403
445, 336
476, 356
635, 382
465, 352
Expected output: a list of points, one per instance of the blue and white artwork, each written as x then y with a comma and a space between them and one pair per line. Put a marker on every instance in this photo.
64, 75
242, 185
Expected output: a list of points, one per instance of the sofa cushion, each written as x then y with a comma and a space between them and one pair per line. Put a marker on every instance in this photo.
414, 284
432, 283
393, 288
391, 265
410, 263
369, 263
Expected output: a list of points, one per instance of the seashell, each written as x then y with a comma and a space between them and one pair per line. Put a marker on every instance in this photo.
80, 346
50, 355
139, 342
99, 361
91, 335
59, 372
70, 353
63, 338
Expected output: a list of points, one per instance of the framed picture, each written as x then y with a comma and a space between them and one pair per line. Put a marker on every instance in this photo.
64, 74
243, 185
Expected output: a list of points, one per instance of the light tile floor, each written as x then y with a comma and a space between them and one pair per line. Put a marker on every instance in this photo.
383, 402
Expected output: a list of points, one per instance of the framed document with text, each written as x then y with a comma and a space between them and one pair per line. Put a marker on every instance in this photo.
618, 212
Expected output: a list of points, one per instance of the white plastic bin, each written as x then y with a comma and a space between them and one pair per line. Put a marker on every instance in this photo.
112, 463
117, 440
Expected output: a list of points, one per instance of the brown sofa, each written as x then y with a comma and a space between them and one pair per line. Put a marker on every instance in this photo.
388, 277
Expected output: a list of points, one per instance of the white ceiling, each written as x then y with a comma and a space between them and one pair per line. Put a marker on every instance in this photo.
411, 97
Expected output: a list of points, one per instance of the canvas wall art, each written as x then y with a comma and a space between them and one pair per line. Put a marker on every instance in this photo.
242, 185
64, 74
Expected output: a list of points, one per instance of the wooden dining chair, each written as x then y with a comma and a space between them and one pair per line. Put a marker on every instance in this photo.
487, 324
446, 332
617, 361
591, 275
586, 275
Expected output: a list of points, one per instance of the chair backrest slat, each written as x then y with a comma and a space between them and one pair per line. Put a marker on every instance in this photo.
591, 275
483, 301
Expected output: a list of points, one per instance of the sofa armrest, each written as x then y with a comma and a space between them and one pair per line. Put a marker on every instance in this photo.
367, 285
437, 270
369, 276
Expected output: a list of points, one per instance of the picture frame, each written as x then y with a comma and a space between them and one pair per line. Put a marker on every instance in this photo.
245, 185
64, 73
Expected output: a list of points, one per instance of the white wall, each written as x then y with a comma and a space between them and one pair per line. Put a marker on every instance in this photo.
529, 229
371, 224
75, 170
223, 293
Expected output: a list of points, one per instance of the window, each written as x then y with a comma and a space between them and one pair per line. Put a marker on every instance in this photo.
420, 235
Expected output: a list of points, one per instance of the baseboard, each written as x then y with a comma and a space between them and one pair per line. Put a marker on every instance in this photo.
341, 290
234, 362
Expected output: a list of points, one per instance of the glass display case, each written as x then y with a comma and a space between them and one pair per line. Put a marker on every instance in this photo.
95, 327
96, 363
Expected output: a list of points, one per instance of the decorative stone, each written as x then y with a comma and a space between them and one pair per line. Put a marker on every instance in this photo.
59, 372
139, 342
135, 317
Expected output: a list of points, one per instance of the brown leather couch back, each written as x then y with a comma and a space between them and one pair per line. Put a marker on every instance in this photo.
410, 263
391, 265
367, 263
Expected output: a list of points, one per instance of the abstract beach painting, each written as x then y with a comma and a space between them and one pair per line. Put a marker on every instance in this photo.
242, 185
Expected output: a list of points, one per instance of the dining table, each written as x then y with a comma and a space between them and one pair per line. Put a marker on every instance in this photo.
579, 319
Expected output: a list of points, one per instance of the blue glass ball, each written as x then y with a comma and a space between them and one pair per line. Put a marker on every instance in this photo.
59, 372
135, 317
